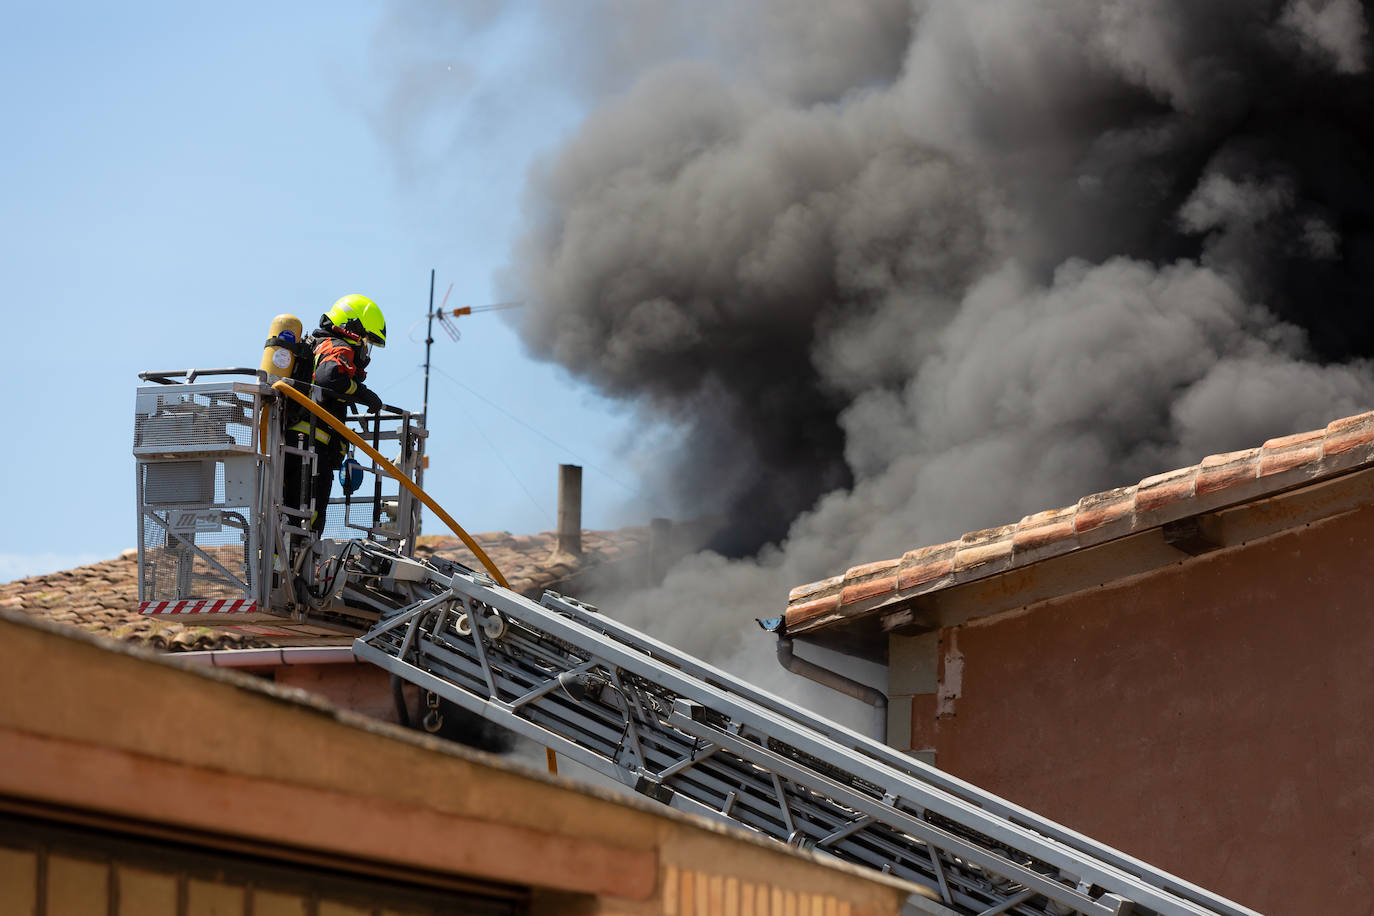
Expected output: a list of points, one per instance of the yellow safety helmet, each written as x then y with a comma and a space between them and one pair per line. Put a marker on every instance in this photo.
360, 317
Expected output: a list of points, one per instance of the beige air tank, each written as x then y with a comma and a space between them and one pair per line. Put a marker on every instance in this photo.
276, 360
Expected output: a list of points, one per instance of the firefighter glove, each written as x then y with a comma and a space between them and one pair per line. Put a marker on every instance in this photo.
368, 398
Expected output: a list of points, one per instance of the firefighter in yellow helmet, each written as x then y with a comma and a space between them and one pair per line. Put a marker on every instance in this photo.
342, 348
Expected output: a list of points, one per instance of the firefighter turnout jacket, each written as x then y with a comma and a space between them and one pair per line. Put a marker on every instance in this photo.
339, 370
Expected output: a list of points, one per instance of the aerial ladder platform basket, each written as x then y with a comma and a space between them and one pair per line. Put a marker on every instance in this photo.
217, 543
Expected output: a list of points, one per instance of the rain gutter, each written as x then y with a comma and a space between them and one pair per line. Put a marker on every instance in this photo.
836, 681
270, 658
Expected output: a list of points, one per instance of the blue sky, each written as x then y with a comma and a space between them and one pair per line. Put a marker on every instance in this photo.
174, 175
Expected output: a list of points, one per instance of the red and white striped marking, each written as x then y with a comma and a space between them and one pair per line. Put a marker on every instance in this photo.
203, 606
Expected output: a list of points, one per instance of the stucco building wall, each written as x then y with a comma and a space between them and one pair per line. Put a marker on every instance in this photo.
131, 785
1211, 717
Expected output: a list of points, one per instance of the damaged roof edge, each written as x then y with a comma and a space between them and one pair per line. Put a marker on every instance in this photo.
1217, 482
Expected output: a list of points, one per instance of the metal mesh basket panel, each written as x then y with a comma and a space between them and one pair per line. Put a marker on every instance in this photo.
346, 519
196, 541
171, 482
352, 516
178, 418
180, 570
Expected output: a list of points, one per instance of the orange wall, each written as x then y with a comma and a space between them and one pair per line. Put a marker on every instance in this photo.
1213, 718
110, 739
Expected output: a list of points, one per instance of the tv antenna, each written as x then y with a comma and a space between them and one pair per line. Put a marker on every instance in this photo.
446, 319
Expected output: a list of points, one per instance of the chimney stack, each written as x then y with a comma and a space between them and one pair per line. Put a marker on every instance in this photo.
570, 509
660, 549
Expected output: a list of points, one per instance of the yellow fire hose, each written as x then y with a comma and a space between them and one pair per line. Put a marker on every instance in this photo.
285, 388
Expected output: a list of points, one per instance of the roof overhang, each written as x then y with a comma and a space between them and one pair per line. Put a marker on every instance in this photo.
1221, 504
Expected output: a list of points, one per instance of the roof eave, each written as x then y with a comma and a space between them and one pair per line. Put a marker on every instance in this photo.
1173, 518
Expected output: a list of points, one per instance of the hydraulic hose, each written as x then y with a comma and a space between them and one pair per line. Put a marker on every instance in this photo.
392, 471
399, 698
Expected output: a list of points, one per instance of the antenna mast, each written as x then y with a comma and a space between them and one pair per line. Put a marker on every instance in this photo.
446, 322
429, 342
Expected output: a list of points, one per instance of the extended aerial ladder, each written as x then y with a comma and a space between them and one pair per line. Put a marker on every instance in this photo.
694, 737
667, 725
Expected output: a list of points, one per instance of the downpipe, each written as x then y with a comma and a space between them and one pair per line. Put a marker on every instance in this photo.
836, 681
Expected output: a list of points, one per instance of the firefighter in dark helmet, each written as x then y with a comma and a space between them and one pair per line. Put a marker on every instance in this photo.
342, 347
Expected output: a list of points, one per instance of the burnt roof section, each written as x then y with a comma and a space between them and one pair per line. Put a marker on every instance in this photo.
1216, 482
102, 598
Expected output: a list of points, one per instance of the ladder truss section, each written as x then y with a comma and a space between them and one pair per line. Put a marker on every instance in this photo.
698, 739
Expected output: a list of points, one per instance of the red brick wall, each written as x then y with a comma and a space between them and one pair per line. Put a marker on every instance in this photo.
1215, 718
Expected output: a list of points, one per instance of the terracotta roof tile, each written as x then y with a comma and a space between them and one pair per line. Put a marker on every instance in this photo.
1104, 508
871, 570
870, 580
528, 561
807, 611
103, 597
1217, 472
978, 548
812, 589
926, 565
1044, 529
1342, 446
1348, 433
1279, 455
1161, 490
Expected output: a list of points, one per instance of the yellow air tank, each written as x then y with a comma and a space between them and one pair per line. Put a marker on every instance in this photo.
276, 360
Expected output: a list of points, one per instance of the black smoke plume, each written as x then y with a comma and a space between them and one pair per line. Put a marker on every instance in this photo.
899, 270
1042, 248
